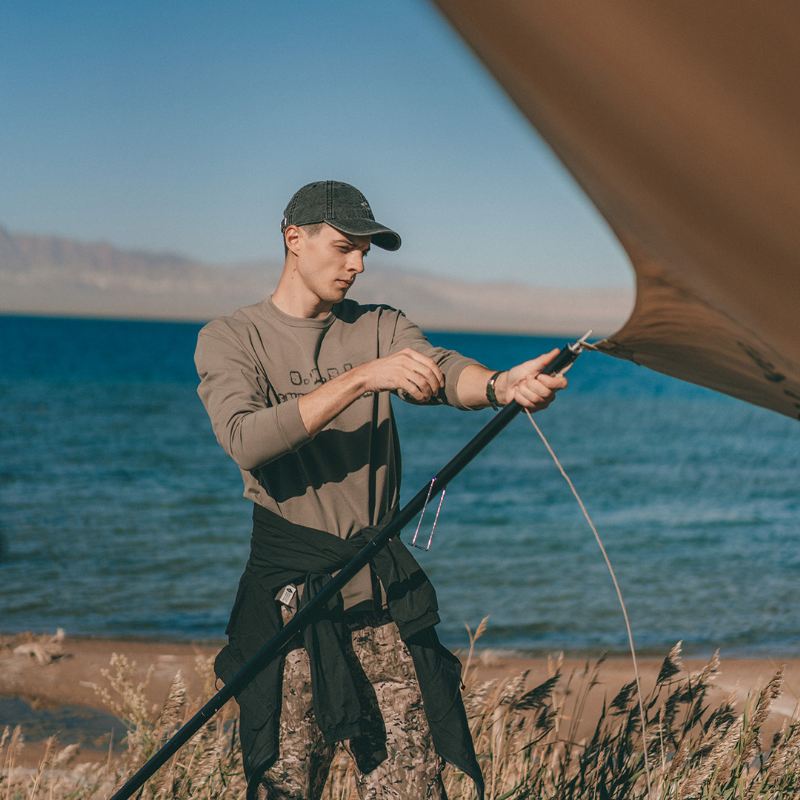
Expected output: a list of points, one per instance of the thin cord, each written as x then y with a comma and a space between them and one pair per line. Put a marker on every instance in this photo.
616, 586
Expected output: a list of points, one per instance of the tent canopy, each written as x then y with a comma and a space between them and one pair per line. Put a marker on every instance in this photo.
681, 122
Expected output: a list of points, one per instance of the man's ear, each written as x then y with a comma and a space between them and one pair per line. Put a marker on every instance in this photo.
293, 238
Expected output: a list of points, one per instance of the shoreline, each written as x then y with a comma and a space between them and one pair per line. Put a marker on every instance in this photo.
66, 682
492, 329
734, 653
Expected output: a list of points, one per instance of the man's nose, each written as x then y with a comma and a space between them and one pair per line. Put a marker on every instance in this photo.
357, 261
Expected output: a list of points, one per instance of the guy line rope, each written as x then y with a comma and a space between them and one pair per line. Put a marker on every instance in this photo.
616, 587
599, 541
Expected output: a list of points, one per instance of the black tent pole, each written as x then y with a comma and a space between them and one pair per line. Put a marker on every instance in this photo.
271, 648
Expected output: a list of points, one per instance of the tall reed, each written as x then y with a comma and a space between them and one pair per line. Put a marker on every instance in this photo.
526, 738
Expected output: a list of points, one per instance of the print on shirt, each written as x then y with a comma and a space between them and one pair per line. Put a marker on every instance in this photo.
311, 379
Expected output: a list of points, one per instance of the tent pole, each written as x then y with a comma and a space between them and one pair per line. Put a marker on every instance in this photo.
271, 648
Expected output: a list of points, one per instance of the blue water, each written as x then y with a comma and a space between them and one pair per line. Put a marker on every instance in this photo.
120, 515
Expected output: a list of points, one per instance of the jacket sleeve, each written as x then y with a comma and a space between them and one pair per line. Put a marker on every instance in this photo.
233, 391
404, 333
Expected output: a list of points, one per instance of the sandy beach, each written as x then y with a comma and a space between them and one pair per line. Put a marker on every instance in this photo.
66, 683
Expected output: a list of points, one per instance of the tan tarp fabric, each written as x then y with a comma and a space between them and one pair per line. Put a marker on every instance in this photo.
681, 121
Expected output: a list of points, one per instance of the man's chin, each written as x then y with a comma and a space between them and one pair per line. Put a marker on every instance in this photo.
340, 291
333, 297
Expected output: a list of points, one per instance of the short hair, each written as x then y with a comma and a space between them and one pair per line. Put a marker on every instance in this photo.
311, 229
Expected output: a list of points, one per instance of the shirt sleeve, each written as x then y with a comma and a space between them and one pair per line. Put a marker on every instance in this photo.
405, 333
233, 392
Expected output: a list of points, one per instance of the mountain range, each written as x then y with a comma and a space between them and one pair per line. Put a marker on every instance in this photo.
56, 275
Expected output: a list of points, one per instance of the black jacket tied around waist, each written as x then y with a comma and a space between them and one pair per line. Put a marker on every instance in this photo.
282, 552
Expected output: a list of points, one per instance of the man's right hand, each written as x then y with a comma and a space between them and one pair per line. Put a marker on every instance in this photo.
405, 371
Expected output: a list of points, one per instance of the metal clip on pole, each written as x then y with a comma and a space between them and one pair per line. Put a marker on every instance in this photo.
422, 514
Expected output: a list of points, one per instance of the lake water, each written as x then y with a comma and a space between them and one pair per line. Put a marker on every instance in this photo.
120, 514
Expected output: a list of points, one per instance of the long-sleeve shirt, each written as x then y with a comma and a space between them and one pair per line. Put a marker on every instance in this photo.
255, 364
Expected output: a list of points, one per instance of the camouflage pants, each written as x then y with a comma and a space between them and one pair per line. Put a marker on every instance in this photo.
394, 760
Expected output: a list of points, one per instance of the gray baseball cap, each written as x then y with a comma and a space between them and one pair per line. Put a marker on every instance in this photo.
343, 207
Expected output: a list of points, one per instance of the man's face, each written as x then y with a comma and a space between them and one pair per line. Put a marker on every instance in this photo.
329, 261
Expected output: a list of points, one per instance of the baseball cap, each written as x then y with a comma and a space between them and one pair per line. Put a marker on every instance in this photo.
343, 207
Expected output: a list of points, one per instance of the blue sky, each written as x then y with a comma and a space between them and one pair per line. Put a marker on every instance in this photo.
187, 125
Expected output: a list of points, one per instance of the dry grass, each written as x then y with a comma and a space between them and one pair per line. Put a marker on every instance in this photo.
526, 740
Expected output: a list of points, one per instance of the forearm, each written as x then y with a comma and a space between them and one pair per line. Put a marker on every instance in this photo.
527, 384
471, 387
319, 407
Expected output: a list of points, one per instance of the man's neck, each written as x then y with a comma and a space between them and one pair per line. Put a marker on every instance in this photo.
294, 298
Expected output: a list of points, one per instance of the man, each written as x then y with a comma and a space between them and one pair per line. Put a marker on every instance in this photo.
297, 388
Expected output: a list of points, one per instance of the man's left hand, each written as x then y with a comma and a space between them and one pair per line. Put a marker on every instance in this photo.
527, 385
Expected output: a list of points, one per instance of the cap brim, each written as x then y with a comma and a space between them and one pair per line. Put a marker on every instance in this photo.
382, 237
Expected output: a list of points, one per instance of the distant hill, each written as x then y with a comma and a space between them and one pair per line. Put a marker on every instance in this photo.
57, 275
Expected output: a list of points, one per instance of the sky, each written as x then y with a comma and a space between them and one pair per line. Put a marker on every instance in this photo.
186, 126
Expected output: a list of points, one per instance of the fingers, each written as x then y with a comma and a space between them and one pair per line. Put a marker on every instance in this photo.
538, 391
423, 373
425, 378
532, 394
540, 362
431, 367
554, 382
532, 388
419, 390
